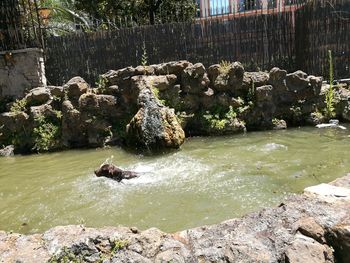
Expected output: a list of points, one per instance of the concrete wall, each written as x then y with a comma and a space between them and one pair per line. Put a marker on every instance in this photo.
21, 70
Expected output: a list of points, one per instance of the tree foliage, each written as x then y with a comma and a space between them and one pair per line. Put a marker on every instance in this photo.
139, 11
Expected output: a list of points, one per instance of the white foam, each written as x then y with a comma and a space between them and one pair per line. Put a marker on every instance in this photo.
273, 147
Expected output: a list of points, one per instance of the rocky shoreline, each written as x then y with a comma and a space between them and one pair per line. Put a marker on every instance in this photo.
153, 108
311, 227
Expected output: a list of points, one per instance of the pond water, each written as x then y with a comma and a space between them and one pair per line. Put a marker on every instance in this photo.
209, 180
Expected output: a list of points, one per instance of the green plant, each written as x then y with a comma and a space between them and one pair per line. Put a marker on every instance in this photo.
101, 83
144, 57
330, 113
275, 121
156, 94
118, 245
231, 114
18, 106
218, 119
45, 135
224, 67
66, 256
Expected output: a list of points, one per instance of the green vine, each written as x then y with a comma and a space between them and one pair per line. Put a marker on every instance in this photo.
330, 111
46, 134
18, 106
144, 57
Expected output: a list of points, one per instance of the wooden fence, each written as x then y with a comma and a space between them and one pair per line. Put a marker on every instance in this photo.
292, 39
19, 25
322, 26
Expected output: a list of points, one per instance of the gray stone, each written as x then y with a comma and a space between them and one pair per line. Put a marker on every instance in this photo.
194, 79
154, 127
38, 96
7, 151
76, 87
257, 79
114, 77
297, 81
277, 75
163, 83
173, 67
56, 91
42, 110
98, 105
310, 228
338, 237
213, 72
264, 94
304, 249
72, 126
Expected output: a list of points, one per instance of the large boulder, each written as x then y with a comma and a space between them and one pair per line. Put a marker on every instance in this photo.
56, 91
42, 110
305, 249
261, 116
173, 67
114, 77
76, 87
194, 79
297, 81
98, 131
213, 72
228, 78
172, 96
303, 87
154, 127
12, 121
15, 128
38, 96
338, 237
164, 82
277, 78
98, 105
236, 74
341, 100
118, 77
73, 134
263, 95
130, 92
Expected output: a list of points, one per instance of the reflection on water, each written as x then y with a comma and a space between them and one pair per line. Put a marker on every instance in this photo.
208, 181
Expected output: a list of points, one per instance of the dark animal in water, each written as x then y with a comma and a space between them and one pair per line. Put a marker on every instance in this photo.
115, 173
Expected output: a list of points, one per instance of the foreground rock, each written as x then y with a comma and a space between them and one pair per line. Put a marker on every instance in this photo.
313, 227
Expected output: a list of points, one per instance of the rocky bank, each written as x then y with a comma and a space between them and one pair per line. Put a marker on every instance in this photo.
154, 107
312, 227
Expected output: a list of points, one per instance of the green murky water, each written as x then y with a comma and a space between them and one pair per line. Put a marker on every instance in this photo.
208, 181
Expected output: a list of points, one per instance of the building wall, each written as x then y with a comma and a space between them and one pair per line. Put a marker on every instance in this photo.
21, 70
208, 7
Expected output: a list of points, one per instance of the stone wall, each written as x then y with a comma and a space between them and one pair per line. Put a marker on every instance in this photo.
20, 71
